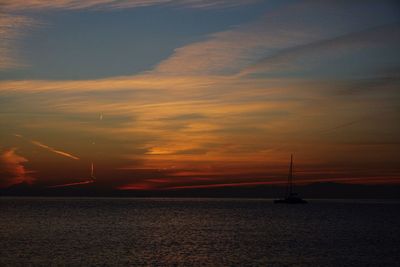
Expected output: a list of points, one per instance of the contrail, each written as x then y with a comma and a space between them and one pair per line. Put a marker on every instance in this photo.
92, 176
92, 180
92, 173
36, 143
62, 153
71, 184
350, 123
344, 125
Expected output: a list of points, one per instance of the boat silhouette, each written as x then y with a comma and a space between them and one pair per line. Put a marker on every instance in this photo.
291, 197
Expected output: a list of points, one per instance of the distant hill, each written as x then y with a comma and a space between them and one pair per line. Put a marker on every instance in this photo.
315, 190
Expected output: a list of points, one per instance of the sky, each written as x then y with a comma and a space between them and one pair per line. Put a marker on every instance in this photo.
167, 94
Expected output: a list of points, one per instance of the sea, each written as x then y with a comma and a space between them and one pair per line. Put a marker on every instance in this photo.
197, 232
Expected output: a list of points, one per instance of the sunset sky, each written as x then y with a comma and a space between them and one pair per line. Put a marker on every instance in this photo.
163, 94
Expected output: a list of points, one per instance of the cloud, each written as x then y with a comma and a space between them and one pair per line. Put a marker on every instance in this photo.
213, 3
13, 25
228, 52
12, 28
140, 82
311, 53
18, 5
277, 32
12, 170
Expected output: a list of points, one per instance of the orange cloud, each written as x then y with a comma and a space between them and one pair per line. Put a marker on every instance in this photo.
142, 82
12, 170
136, 186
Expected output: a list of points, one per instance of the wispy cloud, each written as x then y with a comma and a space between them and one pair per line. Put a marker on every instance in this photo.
13, 25
12, 169
287, 59
12, 28
138, 82
17, 5
277, 32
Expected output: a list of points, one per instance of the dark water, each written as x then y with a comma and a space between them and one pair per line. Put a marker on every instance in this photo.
197, 232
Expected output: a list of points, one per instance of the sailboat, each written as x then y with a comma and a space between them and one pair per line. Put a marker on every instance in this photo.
291, 197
